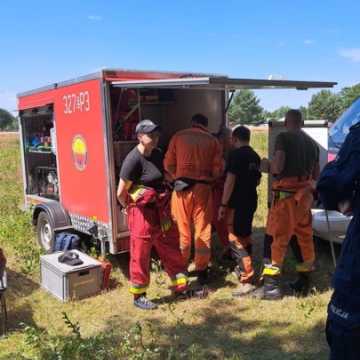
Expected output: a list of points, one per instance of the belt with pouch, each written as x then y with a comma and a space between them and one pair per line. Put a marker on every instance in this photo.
282, 194
183, 184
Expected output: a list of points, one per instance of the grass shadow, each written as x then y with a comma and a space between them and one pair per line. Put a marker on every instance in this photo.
215, 334
19, 287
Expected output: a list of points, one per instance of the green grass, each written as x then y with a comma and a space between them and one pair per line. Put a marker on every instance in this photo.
216, 328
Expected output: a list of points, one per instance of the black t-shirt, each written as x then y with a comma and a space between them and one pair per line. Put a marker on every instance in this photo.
141, 170
301, 153
244, 163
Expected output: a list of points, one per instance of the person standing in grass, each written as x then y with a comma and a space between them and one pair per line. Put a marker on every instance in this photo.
339, 189
239, 203
194, 161
143, 194
295, 168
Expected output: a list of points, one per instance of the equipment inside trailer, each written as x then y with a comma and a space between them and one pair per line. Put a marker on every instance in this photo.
172, 109
40, 152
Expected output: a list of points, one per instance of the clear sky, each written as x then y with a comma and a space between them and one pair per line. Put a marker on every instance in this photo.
48, 41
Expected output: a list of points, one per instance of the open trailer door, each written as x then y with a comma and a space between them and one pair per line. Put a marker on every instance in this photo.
173, 101
169, 102
224, 83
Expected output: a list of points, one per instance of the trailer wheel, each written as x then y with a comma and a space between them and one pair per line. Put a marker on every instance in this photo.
45, 232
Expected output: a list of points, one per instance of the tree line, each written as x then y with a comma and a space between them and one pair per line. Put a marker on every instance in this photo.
8, 122
245, 107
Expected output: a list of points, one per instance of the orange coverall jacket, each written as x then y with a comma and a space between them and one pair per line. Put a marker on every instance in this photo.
194, 154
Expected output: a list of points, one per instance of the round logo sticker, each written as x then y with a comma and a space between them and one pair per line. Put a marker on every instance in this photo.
79, 150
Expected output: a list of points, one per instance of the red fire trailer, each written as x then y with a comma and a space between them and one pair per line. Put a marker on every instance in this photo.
75, 134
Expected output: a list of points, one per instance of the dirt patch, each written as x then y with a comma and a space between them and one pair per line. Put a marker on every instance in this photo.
8, 135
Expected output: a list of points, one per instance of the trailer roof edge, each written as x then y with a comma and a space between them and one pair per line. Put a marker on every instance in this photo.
92, 76
214, 79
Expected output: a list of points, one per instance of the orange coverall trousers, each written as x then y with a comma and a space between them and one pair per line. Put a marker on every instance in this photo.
241, 247
219, 225
193, 208
290, 214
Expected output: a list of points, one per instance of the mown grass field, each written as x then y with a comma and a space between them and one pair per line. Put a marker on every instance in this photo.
111, 328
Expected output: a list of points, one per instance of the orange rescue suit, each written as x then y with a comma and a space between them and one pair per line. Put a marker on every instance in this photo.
290, 214
194, 154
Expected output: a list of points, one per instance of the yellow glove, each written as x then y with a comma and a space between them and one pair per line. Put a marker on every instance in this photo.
136, 191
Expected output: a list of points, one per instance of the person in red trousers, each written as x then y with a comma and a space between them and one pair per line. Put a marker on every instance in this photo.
142, 192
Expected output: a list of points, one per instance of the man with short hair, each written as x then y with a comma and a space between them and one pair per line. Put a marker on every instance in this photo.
194, 161
239, 203
295, 168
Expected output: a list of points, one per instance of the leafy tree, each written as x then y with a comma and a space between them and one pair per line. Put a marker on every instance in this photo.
304, 112
279, 113
325, 105
349, 95
245, 108
7, 121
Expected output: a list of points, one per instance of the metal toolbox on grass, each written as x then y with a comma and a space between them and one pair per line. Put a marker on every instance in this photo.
68, 282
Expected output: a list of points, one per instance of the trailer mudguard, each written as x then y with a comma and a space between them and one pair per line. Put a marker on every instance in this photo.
57, 214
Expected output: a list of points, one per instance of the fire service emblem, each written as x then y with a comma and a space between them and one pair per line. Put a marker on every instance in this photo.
79, 151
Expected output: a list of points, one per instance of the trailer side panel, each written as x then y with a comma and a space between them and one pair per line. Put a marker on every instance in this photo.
81, 151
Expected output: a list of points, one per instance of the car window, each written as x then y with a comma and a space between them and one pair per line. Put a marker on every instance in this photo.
342, 125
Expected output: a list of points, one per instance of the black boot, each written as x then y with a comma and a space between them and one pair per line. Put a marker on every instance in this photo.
203, 277
270, 290
302, 285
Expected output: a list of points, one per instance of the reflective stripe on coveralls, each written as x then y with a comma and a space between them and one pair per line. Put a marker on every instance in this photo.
179, 283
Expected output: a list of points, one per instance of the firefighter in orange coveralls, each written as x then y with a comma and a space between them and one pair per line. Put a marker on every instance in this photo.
220, 224
142, 192
295, 168
194, 161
